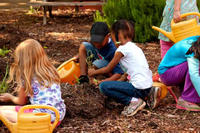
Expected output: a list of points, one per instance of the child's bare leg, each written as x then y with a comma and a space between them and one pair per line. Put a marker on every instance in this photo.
9, 113
82, 57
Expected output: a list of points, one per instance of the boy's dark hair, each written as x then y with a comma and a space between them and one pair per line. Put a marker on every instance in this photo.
195, 48
98, 32
127, 27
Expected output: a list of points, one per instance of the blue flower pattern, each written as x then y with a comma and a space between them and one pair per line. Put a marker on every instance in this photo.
48, 96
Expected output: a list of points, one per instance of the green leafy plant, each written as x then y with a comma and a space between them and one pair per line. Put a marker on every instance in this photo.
143, 13
98, 17
3, 84
77, 79
33, 10
4, 51
89, 59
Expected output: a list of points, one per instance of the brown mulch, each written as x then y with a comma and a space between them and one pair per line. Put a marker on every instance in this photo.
87, 109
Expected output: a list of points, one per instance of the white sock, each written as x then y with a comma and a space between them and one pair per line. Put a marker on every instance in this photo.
134, 99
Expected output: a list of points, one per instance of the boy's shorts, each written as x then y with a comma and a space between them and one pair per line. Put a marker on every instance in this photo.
99, 63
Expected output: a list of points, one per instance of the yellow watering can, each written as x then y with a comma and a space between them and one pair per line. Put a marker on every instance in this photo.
163, 87
32, 122
69, 71
183, 29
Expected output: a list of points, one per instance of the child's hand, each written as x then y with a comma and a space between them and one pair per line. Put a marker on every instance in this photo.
91, 72
177, 16
6, 97
76, 58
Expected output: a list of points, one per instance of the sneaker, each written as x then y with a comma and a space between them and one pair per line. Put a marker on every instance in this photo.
182, 104
175, 92
83, 79
133, 107
153, 99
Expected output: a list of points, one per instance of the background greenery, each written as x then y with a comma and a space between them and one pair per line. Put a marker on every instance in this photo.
144, 13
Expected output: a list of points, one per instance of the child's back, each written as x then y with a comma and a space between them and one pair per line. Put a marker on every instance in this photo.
136, 66
48, 96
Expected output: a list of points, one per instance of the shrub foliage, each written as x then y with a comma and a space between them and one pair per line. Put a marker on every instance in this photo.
144, 13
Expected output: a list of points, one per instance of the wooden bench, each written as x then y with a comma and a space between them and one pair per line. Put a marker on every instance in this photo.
73, 3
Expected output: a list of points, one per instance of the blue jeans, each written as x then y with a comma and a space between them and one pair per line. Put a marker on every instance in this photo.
99, 63
122, 92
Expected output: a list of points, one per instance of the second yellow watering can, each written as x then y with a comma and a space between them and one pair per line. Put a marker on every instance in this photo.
183, 29
32, 122
69, 71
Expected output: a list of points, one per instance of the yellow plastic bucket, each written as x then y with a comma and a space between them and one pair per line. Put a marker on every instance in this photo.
69, 71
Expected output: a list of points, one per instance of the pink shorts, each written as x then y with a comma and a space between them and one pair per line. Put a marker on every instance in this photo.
17, 108
165, 46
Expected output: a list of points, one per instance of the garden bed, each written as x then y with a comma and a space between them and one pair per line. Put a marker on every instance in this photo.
87, 109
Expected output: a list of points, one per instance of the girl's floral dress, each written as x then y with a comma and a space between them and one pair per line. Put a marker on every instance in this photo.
48, 96
185, 7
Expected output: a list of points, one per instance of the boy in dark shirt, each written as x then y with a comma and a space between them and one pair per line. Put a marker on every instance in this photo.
103, 49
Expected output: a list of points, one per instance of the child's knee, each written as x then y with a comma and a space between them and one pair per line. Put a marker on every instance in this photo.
103, 88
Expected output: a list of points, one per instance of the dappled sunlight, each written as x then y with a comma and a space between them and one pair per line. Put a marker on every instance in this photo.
61, 36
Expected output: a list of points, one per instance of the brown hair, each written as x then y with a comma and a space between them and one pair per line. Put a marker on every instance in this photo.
195, 48
31, 61
126, 27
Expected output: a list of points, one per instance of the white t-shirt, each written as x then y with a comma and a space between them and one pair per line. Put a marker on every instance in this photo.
134, 63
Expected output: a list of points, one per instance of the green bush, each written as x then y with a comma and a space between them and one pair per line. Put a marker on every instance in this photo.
198, 4
144, 13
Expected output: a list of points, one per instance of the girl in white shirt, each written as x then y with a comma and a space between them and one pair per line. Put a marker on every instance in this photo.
133, 62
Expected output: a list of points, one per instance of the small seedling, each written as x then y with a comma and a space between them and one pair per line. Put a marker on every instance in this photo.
89, 59
4, 51
77, 79
33, 10
4, 85
95, 81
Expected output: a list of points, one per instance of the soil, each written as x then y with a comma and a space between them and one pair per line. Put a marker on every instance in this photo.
87, 109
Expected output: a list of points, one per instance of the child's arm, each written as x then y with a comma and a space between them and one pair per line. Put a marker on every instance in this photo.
177, 14
21, 99
193, 66
108, 68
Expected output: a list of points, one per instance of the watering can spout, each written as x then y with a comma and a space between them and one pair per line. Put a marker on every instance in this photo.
11, 126
167, 34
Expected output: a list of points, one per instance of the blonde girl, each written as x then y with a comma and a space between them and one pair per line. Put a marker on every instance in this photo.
36, 78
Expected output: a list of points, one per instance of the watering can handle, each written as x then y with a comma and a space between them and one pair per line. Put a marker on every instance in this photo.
72, 59
21, 111
186, 14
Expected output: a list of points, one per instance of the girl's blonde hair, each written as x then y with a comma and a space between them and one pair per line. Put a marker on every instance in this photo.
31, 61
